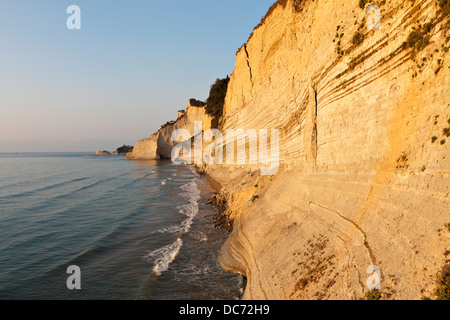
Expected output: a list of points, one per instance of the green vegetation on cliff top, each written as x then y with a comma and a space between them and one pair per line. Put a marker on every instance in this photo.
216, 101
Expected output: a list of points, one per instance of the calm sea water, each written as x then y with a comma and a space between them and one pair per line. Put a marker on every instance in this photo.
136, 229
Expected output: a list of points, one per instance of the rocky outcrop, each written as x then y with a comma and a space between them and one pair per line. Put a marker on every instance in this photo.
102, 153
364, 151
123, 150
159, 145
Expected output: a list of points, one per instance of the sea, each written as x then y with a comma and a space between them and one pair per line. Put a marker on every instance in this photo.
136, 230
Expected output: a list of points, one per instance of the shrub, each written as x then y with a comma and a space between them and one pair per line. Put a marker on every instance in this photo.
358, 38
362, 3
167, 124
446, 132
445, 6
443, 290
216, 100
418, 39
373, 295
196, 103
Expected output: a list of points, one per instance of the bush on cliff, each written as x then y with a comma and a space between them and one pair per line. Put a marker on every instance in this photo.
195, 103
124, 149
445, 7
419, 38
216, 100
358, 38
443, 290
362, 3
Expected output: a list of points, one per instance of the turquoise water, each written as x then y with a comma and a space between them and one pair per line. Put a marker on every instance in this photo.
136, 229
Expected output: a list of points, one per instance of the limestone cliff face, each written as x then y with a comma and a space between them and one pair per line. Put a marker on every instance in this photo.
159, 145
145, 149
365, 162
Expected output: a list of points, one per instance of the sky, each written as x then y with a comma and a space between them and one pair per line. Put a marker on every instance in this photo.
129, 69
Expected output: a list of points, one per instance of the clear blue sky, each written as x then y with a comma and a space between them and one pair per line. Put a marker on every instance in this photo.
132, 65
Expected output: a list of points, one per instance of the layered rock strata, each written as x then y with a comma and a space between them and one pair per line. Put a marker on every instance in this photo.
365, 165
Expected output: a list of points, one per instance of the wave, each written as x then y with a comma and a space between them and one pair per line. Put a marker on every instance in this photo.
200, 236
77, 260
49, 187
164, 256
190, 209
172, 229
133, 182
98, 183
49, 202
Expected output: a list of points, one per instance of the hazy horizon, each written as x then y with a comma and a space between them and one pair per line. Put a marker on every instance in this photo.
33, 146
129, 69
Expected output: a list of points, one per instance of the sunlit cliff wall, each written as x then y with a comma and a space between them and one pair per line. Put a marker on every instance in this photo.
365, 162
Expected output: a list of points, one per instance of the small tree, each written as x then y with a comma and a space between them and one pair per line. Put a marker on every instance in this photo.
216, 100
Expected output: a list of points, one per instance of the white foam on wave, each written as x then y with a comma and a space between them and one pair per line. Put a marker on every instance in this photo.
190, 209
192, 193
172, 229
192, 168
165, 256
200, 236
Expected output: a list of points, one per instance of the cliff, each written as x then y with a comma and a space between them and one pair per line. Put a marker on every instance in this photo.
364, 178
159, 145
364, 152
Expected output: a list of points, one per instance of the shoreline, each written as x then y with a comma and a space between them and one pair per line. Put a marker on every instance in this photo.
216, 186
210, 188
212, 183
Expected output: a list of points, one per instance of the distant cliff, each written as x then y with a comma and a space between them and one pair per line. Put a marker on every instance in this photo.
123, 150
102, 153
364, 122
159, 145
